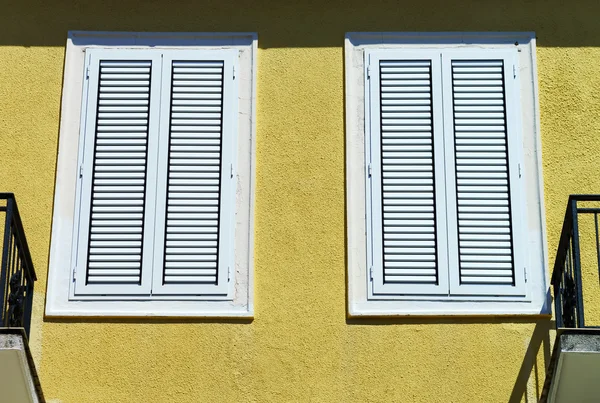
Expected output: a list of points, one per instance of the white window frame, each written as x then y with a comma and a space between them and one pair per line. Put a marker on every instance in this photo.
379, 290
361, 301
60, 299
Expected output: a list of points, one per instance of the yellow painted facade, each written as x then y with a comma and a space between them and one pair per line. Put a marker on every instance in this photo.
300, 346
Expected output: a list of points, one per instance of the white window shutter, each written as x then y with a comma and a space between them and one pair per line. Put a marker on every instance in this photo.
119, 132
406, 216
194, 252
482, 137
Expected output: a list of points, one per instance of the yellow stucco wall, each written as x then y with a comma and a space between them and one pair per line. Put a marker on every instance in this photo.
300, 347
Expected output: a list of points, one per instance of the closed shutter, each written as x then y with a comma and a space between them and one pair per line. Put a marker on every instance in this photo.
406, 212
195, 242
481, 127
119, 129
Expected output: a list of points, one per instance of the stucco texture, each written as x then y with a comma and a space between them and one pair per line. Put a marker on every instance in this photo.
300, 346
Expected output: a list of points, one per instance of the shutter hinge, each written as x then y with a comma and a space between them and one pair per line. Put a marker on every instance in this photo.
74, 271
228, 273
370, 170
519, 170
81, 171
87, 73
514, 71
371, 273
231, 170
234, 72
525, 271
368, 71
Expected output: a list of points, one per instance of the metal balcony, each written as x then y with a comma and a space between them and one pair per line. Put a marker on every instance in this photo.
18, 377
16, 271
575, 364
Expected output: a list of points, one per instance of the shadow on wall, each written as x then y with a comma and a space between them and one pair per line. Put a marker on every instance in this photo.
529, 381
530, 369
304, 23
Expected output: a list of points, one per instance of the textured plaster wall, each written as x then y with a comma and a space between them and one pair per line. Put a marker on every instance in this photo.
300, 347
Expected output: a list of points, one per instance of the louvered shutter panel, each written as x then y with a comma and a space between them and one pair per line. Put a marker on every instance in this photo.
119, 132
195, 240
406, 213
483, 138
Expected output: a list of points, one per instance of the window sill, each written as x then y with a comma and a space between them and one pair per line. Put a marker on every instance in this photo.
165, 309
365, 309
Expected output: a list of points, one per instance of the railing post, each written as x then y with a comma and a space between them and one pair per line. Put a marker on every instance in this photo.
597, 244
5, 253
577, 265
28, 306
558, 304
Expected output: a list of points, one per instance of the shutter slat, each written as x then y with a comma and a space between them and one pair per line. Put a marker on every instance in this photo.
115, 243
190, 234
104, 255
125, 279
467, 279
408, 279
408, 214
484, 236
404, 70
408, 209
194, 173
479, 230
482, 185
102, 264
119, 230
112, 273
117, 238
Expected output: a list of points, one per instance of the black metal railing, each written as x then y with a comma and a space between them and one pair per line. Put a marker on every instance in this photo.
16, 271
567, 274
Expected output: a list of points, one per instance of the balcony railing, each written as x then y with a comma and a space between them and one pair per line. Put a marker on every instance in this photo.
567, 274
572, 371
16, 269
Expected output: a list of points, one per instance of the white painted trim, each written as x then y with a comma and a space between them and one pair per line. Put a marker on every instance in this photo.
380, 290
514, 149
155, 308
383, 40
358, 297
85, 177
166, 40
358, 275
226, 252
442, 308
60, 263
542, 238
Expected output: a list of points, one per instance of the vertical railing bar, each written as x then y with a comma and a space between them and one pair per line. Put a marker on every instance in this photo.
557, 305
577, 266
5, 285
4, 267
27, 307
568, 272
9, 273
20, 235
13, 260
597, 244
21, 285
14, 256
570, 280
